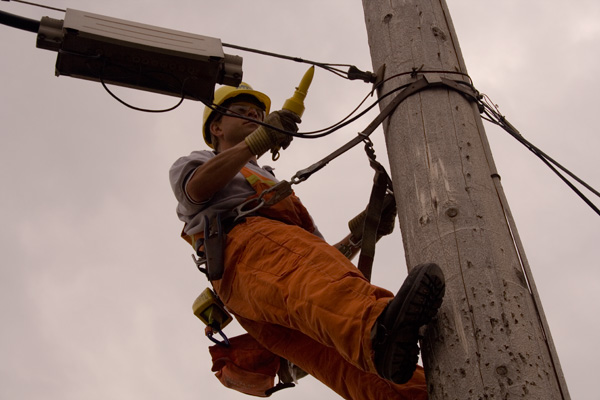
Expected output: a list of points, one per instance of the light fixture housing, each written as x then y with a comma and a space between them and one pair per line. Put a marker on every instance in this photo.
139, 56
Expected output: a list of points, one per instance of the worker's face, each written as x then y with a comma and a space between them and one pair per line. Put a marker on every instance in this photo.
247, 110
230, 129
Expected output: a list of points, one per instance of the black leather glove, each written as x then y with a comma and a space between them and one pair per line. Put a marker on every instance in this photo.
386, 223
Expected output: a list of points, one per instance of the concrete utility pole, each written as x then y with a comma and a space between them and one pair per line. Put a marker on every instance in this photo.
491, 339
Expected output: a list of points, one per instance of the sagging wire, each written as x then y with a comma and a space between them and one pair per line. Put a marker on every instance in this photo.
139, 108
493, 115
101, 78
319, 133
489, 109
37, 5
377, 86
349, 118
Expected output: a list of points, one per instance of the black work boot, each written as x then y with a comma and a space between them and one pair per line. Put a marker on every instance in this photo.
396, 332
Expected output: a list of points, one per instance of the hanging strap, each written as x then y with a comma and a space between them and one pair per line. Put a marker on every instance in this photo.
275, 200
382, 184
373, 217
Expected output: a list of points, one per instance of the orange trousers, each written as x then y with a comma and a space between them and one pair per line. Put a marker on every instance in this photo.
304, 301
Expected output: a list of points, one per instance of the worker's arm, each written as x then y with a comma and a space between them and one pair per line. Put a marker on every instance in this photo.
350, 245
217, 172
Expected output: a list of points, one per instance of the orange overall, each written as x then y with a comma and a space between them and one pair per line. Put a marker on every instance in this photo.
304, 301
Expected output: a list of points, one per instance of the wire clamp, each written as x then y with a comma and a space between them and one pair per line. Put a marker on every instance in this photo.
415, 71
355, 73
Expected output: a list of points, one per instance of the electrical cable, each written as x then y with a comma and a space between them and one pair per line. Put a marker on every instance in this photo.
181, 85
485, 103
37, 5
517, 135
101, 76
347, 120
310, 135
352, 74
494, 116
339, 124
488, 108
16, 21
138, 108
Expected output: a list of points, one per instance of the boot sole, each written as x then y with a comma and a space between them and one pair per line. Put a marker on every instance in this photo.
425, 289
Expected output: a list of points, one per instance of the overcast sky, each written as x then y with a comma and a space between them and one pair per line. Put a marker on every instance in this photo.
96, 287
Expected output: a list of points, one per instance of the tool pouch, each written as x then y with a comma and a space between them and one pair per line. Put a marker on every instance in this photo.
249, 368
215, 240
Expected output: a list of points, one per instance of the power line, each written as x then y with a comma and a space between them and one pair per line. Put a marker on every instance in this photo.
494, 116
18, 22
353, 73
37, 5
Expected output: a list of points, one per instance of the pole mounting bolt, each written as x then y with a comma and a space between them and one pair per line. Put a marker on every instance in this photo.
452, 212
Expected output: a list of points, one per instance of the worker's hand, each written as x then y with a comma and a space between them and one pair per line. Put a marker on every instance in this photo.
264, 138
386, 222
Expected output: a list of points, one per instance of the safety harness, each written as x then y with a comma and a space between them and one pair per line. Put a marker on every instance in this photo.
241, 363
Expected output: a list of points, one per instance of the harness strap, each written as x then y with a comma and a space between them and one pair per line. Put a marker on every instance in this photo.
381, 182
283, 206
422, 83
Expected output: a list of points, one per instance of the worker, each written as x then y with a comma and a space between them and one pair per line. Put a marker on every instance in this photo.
298, 296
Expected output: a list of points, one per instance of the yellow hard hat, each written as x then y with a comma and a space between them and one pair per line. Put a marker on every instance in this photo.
229, 92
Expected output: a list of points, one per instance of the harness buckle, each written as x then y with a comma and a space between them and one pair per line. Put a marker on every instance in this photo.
280, 191
241, 211
268, 197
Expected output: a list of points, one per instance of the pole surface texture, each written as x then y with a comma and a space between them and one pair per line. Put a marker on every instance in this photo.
487, 341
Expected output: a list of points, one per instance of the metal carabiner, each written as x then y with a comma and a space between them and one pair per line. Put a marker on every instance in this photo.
209, 331
241, 213
280, 191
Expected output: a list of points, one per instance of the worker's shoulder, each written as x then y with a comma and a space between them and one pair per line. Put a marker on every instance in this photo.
198, 156
184, 165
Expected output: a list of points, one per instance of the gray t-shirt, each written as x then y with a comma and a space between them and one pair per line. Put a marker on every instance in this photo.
231, 196
228, 198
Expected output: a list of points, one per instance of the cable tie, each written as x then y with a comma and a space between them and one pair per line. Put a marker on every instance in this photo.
416, 70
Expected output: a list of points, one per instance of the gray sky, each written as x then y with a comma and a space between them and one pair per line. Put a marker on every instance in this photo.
95, 285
